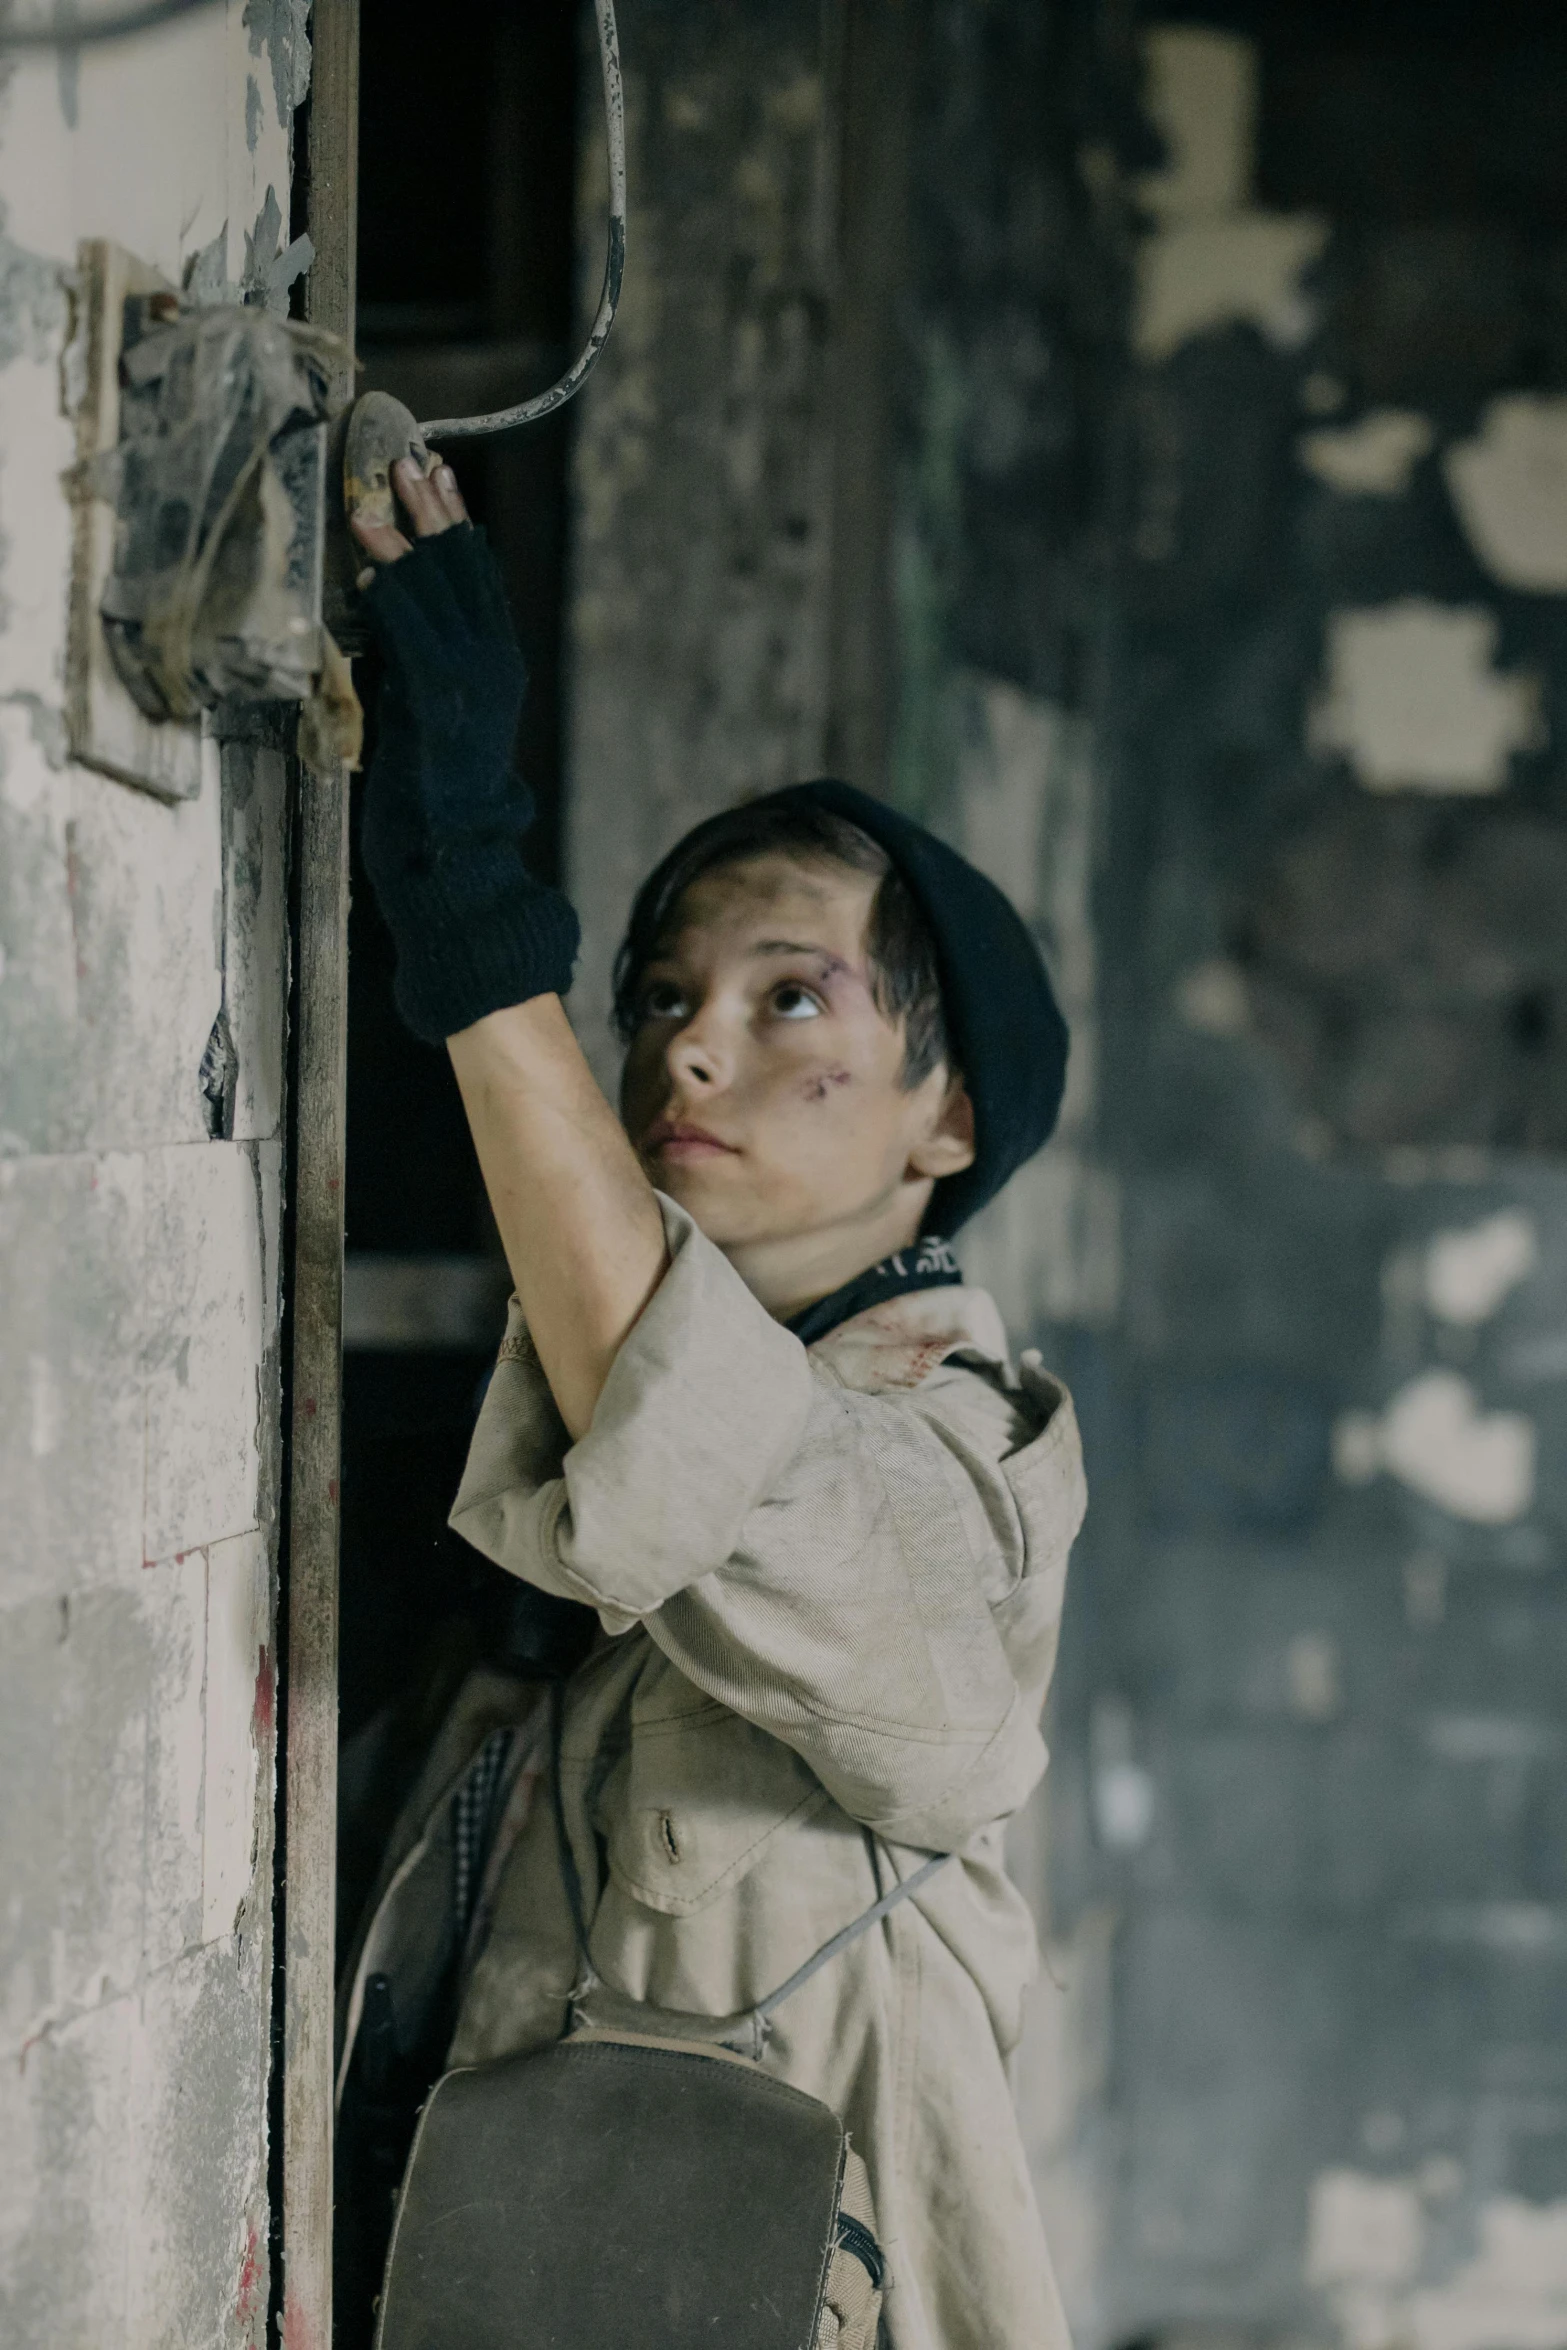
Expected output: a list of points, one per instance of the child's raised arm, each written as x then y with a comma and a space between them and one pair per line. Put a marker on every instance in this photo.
485, 951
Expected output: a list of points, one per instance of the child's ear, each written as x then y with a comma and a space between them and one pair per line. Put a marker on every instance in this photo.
949, 1146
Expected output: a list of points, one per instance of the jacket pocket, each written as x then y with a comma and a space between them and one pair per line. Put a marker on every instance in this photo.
689, 1809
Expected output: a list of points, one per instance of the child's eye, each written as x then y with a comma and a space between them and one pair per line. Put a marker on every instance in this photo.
793, 1002
662, 1000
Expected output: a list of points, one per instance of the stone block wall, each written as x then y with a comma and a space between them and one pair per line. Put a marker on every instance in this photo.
140, 1230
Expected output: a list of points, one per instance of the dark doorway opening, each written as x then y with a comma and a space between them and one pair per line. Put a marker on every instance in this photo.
466, 303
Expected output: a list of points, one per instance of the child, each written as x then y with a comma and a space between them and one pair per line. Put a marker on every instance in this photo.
746, 1411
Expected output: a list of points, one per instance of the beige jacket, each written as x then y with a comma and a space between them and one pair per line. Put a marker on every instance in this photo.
833, 1582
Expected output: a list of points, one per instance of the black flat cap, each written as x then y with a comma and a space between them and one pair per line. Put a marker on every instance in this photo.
1007, 1033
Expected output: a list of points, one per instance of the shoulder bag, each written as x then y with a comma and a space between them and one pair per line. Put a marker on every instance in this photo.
642, 2185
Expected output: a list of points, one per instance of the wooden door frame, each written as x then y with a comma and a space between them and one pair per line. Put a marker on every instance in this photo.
315, 1274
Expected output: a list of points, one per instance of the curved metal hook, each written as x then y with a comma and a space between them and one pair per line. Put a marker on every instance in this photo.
453, 428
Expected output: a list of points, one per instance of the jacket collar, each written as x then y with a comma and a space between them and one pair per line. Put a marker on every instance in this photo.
898, 1344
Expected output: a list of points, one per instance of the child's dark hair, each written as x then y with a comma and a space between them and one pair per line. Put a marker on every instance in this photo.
905, 979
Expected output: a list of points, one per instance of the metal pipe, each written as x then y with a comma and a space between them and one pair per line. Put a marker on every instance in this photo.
454, 428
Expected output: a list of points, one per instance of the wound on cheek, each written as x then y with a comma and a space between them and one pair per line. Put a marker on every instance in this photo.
824, 1082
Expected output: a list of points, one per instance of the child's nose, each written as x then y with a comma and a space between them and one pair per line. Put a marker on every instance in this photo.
699, 1055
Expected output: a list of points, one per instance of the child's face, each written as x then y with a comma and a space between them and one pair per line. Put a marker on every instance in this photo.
763, 1088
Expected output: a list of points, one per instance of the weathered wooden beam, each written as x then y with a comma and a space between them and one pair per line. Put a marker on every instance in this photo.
310, 1750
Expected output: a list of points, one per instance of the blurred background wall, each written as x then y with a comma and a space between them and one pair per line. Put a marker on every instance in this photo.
1139, 446
1135, 440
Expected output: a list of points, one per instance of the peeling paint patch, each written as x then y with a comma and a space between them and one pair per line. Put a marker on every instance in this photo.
32, 301
1435, 1438
1412, 701
1369, 2254
1212, 998
1122, 1795
1372, 459
1207, 274
237, 1603
1215, 258
1512, 2295
1468, 1273
1509, 485
1363, 2230
68, 66
1200, 92
270, 266
207, 271
252, 111
281, 28
45, 723
1313, 1677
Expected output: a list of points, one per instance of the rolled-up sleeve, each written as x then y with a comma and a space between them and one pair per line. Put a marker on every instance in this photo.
818, 1559
706, 1400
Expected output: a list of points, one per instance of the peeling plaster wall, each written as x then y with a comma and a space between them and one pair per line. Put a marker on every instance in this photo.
139, 1303
1305, 1835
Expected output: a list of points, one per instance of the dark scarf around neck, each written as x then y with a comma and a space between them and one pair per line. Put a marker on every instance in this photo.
929, 1264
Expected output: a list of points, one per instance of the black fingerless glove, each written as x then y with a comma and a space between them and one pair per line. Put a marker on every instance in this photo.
444, 811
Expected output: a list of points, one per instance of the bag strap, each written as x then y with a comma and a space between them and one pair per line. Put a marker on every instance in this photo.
850, 1933
761, 2014
570, 1876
